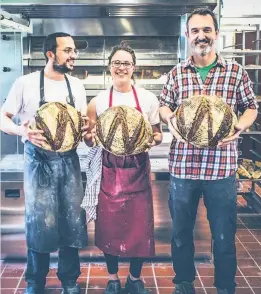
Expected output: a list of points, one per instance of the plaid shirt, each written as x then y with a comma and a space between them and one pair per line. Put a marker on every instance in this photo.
227, 80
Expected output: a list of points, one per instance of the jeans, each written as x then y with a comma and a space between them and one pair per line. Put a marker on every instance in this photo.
220, 199
38, 266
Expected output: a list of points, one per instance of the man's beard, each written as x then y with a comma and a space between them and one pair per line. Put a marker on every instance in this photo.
203, 51
61, 68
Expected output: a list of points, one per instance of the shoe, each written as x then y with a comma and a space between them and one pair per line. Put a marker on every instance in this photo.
135, 287
113, 287
71, 289
184, 288
225, 291
34, 289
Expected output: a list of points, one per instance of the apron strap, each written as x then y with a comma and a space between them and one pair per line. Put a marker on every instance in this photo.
135, 97
42, 97
70, 91
110, 98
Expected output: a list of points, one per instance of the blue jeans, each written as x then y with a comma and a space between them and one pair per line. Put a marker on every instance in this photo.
220, 199
38, 266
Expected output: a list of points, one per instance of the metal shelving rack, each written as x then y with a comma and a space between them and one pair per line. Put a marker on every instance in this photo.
254, 137
241, 53
251, 196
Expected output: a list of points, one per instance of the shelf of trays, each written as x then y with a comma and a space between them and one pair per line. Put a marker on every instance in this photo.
249, 172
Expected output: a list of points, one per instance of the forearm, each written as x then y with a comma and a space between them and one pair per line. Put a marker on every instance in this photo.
8, 126
165, 113
247, 118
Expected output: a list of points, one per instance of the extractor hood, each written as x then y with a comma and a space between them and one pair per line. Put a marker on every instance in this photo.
98, 9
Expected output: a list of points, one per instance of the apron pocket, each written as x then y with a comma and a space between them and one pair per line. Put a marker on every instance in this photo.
125, 180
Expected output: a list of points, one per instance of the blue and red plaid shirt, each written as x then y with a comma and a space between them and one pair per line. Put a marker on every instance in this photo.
226, 79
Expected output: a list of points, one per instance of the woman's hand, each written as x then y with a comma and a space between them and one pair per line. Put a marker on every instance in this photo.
89, 137
86, 125
150, 145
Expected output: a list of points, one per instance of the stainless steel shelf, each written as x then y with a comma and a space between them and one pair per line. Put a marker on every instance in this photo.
241, 52
95, 87
252, 67
92, 90
255, 139
251, 133
159, 62
257, 155
102, 63
78, 62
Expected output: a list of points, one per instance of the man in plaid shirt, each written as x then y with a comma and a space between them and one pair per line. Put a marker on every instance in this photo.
208, 171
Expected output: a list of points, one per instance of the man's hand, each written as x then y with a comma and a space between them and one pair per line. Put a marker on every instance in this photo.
238, 130
34, 136
172, 125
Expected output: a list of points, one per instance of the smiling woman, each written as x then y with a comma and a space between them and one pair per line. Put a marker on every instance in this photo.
122, 65
124, 224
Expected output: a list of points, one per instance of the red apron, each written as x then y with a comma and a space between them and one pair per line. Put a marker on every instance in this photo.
125, 223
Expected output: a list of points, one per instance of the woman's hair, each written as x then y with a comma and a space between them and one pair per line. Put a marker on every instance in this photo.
123, 47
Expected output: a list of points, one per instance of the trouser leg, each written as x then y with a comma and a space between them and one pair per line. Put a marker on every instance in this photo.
68, 265
220, 198
184, 196
37, 268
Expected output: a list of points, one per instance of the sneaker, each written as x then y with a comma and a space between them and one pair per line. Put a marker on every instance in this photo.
135, 287
113, 287
71, 289
184, 288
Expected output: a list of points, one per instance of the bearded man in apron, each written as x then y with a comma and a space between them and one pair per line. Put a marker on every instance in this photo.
125, 224
52, 180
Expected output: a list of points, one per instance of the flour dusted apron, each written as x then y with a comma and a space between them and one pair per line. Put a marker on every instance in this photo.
125, 223
53, 195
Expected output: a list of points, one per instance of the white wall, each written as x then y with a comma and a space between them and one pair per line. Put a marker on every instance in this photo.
233, 9
232, 19
239, 7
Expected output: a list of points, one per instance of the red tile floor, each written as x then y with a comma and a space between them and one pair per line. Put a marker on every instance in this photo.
157, 276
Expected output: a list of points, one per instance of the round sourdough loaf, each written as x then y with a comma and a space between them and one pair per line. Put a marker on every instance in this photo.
122, 130
204, 120
61, 124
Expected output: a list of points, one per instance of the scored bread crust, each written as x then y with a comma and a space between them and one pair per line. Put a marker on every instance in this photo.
204, 120
122, 130
61, 124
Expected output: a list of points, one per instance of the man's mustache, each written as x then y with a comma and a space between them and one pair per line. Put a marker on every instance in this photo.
204, 41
